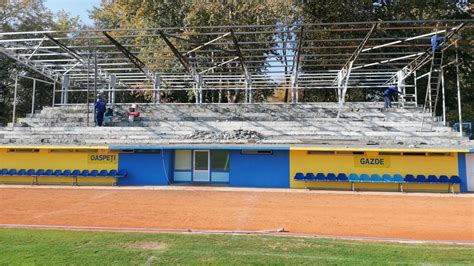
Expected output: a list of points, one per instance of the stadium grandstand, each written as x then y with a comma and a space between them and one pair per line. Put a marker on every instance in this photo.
298, 106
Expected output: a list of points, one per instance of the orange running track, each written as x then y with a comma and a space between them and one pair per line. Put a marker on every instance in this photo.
378, 215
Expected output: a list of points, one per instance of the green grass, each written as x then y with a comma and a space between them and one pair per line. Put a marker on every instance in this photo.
46, 247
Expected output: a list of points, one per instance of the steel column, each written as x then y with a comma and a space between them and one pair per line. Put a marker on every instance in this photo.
33, 98
458, 85
296, 65
54, 93
156, 89
14, 101
443, 96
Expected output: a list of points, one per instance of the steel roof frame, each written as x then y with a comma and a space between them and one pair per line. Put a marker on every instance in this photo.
213, 54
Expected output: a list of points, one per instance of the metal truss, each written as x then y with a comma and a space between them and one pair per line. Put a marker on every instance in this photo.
246, 58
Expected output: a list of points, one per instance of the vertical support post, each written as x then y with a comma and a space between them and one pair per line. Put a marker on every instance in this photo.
113, 88
200, 88
156, 89
14, 101
33, 98
54, 92
401, 87
296, 65
442, 94
95, 83
65, 89
88, 89
458, 85
248, 87
416, 89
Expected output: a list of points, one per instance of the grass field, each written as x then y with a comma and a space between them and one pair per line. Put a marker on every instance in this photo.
46, 247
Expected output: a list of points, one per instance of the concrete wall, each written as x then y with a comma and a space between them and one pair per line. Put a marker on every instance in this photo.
265, 171
146, 169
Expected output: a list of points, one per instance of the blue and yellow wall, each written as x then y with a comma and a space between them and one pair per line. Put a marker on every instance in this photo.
58, 158
273, 169
374, 161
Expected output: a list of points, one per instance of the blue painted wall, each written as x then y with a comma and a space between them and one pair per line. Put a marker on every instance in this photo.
462, 171
146, 169
269, 171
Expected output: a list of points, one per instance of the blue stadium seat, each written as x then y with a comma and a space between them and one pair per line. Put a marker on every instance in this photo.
398, 178
114, 173
320, 177
444, 179
103, 173
376, 178
122, 173
85, 173
432, 179
67, 173
387, 178
76, 172
298, 176
94, 173
21, 172
420, 179
31, 172
455, 179
364, 178
309, 177
58, 173
12, 172
409, 178
40, 172
4, 171
48, 172
331, 177
342, 177
354, 177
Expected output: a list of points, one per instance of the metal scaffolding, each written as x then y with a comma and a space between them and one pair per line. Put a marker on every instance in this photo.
238, 59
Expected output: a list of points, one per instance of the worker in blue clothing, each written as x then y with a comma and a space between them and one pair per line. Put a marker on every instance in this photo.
436, 41
100, 107
388, 94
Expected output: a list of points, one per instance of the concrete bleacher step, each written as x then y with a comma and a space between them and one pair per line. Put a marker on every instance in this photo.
277, 123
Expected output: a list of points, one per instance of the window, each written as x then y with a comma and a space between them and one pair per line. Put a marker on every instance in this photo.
260, 152
61, 150
86, 150
220, 160
321, 152
148, 151
414, 154
389, 153
23, 150
182, 160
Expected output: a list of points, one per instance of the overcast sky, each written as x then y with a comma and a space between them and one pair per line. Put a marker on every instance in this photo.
74, 7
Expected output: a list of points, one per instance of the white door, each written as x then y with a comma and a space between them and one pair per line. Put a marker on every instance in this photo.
470, 171
201, 167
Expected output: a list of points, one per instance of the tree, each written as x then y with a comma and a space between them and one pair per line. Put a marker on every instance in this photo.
26, 15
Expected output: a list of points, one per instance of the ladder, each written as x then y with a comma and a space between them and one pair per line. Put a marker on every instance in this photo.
434, 83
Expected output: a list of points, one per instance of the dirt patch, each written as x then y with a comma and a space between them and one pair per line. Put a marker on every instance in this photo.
336, 214
148, 245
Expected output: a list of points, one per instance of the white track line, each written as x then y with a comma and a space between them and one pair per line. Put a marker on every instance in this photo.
242, 189
277, 232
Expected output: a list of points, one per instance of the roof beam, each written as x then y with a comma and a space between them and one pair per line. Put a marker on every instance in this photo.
425, 57
243, 65
185, 63
135, 60
345, 72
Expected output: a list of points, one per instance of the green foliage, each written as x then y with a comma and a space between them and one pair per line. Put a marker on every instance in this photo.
46, 247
